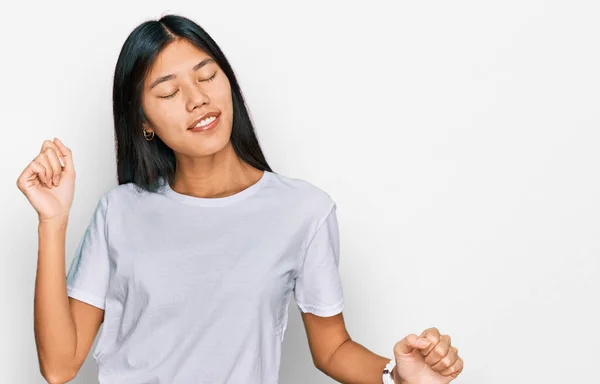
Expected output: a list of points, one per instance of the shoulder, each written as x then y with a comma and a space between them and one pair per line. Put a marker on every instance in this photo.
121, 196
120, 192
307, 195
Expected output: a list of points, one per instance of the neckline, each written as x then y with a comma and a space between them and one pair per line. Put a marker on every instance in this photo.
216, 201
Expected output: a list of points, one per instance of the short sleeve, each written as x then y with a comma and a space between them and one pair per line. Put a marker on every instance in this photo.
318, 287
87, 279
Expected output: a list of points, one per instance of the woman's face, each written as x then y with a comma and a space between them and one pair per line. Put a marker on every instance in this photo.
182, 87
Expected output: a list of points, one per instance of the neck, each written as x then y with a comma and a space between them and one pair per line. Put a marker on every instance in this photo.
219, 175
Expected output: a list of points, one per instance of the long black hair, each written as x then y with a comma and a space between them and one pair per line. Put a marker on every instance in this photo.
143, 162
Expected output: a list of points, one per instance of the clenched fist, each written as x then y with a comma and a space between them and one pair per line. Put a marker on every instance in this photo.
429, 358
48, 182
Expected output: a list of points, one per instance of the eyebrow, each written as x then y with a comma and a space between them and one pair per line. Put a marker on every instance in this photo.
196, 67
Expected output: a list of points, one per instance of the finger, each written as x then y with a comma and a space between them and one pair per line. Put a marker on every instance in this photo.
49, 144
409, 344
42, 159
54, 164
455, 369
52, 144
439, 351
433, 335
447, 361
66, 155
33, 174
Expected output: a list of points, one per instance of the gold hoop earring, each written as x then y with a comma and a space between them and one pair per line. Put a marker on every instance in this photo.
148, 135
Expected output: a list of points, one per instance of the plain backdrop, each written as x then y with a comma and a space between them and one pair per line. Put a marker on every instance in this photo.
459, 139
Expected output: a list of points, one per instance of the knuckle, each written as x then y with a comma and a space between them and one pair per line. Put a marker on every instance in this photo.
447, 362
411, 337
440, 350
444, 341
451, 370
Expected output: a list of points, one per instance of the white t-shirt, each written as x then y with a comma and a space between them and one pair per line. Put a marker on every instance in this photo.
196, 290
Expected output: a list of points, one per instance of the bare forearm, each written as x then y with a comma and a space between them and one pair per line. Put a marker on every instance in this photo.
55, 333
352, 363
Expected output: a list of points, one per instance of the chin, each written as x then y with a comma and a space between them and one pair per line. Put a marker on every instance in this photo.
216, 146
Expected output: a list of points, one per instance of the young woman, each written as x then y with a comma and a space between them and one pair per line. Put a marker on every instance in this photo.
191, 261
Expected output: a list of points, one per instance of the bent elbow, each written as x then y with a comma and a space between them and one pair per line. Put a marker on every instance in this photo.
321, 365
58, 375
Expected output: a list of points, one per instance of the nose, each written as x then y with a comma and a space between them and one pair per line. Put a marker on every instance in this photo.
196, 97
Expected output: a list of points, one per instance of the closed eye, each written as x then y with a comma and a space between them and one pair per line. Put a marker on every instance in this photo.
210, 78
169, 96
174, 93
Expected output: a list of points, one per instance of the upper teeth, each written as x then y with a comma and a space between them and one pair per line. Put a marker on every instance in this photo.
206, 121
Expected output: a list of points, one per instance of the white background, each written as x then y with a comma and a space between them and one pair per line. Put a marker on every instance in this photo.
459, 138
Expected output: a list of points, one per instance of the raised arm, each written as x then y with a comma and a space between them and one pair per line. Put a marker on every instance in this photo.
64, 327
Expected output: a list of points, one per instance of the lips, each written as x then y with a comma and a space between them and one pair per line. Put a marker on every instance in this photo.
205, 116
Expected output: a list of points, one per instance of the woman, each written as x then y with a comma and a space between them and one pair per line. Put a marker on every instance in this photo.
191, 261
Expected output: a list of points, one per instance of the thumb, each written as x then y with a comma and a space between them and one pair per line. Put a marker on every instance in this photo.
409, 344
66, 157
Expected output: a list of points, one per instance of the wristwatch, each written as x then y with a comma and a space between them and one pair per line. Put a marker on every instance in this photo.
387, 372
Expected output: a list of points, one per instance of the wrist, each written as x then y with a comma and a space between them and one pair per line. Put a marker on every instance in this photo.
397, 379
54, 224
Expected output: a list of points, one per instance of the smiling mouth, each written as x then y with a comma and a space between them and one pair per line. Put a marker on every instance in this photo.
206, 123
